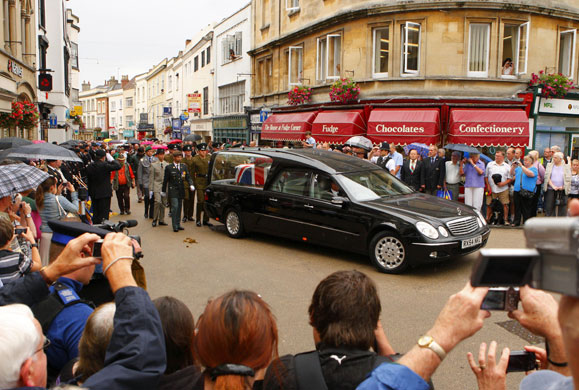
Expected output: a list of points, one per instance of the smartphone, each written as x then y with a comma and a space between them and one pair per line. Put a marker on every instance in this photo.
96, 249
19, 231
522, 361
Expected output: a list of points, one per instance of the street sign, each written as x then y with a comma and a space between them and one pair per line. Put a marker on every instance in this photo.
168, 111
264, 114
78, 110
75, 131
45, 82
184, 116
53, 121
176, 124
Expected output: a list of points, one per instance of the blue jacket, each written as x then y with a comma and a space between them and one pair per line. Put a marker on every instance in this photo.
393, 377
50, 210
66, 329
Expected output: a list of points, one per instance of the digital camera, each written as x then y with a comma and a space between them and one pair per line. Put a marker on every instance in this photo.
551, 263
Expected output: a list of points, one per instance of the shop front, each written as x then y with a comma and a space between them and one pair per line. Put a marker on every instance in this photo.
291, 126
557, 123
404, 126
228, 129
337, 126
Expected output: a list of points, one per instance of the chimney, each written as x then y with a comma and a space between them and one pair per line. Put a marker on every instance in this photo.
124, 81
85, 86
187, 41
112, 82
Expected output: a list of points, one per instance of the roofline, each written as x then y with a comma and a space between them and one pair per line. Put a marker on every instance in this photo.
233, 14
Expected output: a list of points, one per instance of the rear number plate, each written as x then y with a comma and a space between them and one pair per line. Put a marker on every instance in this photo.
471, 242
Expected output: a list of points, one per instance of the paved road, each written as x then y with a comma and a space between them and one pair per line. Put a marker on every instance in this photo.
285, 273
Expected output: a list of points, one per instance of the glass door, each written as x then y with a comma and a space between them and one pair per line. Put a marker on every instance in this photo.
575, 146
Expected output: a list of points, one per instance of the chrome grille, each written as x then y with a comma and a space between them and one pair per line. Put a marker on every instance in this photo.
462, 226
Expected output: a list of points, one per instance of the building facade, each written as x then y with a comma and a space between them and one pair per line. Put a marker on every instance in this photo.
18, 59
156, 97
129, 124
393, 52
233, 77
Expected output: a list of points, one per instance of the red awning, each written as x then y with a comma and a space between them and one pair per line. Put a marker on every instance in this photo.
488, 127
404, 126
288, 126
338, 126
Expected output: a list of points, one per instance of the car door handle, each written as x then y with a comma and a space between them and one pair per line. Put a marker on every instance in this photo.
308, 206
273, 199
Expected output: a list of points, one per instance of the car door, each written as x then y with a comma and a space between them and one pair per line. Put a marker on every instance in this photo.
284, 213
328, 223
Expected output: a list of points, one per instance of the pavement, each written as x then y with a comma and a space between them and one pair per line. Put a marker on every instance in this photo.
201, 263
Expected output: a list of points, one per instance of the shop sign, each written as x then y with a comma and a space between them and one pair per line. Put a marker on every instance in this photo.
559, 106
399, 129
14, 68
176, 124
491, 129
275, 127
144, 118
167, 111
194, 103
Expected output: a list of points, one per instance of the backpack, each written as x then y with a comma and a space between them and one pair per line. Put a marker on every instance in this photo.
50, 307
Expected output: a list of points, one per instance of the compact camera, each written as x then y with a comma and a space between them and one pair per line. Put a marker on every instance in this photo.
551, 263
501, 298
96, 249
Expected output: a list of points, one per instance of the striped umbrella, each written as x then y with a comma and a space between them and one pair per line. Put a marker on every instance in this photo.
16, 178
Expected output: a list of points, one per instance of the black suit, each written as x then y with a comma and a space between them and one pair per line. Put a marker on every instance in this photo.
413, 179
173, 185
99, 188
434, 172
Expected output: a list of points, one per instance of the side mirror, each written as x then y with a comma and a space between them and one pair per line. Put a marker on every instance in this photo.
340, 200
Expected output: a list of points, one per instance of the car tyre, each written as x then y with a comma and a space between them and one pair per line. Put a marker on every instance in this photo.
233, 224
388, 253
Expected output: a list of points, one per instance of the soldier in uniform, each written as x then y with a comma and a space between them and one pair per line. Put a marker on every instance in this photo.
169, 156
189, 201
200, 175
156, 177
173, 188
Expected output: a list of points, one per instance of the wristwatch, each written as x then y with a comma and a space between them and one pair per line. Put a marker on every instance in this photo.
428, 342
35, 245
28, 216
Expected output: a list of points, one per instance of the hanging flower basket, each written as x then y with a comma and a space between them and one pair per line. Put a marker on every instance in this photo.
344, 91
168, 130
299, 95
553, 85
77, 120
24, 115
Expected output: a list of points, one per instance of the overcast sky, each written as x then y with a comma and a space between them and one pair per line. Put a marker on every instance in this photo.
119, 37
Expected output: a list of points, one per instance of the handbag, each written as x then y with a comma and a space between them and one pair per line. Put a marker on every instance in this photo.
444, 194
526, 193
560, 198
64, 216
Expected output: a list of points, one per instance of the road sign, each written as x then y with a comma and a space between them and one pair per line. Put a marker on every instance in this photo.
53, 120
45, 82
184, 116
264, 114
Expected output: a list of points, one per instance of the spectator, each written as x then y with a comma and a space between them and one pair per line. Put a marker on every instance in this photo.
99, 185
433, 171
412, 172
574, 191
178, 328
547, 157
557, 186
52, 207
473, 170
235, 342
507, 67
384, 158
510, 156
525, 184
442, 154
540, 178
122, 182
398, 161
344, 331
497, 179
452, 175
310, 142
374, 155
14, 265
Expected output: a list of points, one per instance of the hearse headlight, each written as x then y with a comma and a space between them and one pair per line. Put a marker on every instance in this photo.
427, 229
443, 232
482, 219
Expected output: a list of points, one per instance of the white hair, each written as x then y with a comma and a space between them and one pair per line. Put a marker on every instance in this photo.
555, 148
19, 340
560, 155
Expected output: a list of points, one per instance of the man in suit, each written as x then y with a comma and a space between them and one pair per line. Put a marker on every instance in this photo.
412, 172
173, 187
99, 185
433, 171
384, 155
156, 177
189, 201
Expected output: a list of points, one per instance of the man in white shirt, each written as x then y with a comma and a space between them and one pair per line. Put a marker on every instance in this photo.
497, 180
452, 175
398, 160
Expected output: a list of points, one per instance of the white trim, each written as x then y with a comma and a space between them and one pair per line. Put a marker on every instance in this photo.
405, 70
300, 65
291, 7
573, 44
328, 37
375, 74
484, 73
318, 56
528, 24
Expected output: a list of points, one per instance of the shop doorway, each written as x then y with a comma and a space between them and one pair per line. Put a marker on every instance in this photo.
575, 147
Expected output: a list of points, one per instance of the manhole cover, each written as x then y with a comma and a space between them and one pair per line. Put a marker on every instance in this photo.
515, 328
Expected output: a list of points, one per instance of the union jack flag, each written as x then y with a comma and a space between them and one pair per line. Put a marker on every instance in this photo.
250, 174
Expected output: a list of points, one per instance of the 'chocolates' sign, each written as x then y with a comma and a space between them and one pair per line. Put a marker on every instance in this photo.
399, 129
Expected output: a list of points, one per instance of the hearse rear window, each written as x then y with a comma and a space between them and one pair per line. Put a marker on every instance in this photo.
241, 169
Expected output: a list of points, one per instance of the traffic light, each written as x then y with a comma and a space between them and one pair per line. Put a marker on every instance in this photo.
45, 82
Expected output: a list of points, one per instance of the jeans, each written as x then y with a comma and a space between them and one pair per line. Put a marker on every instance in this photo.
176, 205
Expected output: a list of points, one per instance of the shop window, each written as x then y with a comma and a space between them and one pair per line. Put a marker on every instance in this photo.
381, 53
292, 5
295, 65
515, 49
567, 52
410, 61
478, 50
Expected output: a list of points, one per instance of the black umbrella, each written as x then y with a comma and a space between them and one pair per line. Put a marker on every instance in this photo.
462, 148
13, 142
71, 142
43, 152
192, 138
134, 141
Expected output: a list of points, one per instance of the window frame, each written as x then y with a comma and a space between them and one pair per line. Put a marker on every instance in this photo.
375, 74
517, 68
572, 31
300, 66
292, 7
405, 72
321, 67
328, 38
485, 73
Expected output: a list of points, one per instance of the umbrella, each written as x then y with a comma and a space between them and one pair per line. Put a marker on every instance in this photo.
462, 148
360, 142
147, 143
160, 147
134, 141
486, 159
71, 142
192, 138
16, 178
422, 149
176, 141
39, 141
44, 152
107, 140
13, 142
